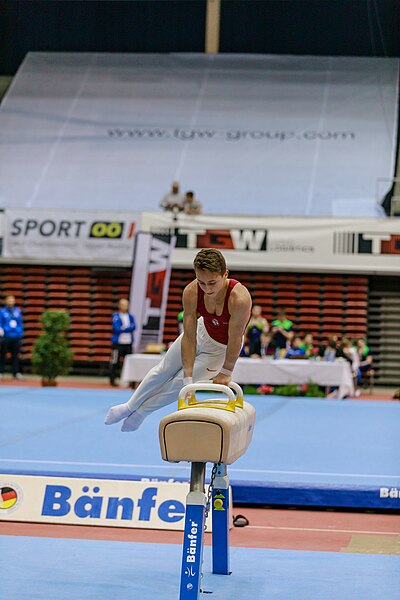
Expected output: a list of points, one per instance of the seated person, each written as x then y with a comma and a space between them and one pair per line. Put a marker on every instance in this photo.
256, 332
190, 205
281, 333
296, 351
334, 350
364, 355
350, 354
307, 344
365, 359
331, 349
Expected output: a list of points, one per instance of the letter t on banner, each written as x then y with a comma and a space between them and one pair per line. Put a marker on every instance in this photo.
151, 273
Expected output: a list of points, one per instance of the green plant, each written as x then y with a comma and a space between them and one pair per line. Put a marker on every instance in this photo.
51, 355
309, 389
313, 390
250, 390
287, 390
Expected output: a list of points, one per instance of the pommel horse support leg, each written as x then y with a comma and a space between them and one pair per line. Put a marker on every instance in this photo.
217, 431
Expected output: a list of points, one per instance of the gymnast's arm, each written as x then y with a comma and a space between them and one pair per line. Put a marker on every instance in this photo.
239, 307
188, 347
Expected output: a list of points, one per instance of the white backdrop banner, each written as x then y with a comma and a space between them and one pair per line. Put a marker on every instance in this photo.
283, 135
264, 243
69, 235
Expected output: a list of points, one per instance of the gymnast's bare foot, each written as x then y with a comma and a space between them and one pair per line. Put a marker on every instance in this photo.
117, 413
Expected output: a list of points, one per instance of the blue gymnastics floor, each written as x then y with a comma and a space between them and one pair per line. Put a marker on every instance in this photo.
305, 451
69, 569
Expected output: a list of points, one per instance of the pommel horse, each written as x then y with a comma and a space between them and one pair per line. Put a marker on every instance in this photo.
217, 431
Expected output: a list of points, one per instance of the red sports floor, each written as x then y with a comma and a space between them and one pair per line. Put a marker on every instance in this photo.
325, 531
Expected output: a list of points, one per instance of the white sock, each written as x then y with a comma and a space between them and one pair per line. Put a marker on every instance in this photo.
132, 422
117, 413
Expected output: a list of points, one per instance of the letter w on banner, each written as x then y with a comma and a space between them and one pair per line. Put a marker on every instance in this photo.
151, 273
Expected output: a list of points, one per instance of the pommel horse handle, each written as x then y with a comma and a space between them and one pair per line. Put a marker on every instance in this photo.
187, 398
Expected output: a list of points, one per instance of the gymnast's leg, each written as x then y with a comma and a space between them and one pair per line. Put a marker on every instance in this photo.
170, 391
162, 384
155, 379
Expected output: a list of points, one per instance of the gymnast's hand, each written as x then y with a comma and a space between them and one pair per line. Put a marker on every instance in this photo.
222, 379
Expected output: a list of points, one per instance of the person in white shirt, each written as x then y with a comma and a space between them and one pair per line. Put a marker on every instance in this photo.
172, 200
351, 355
123, 324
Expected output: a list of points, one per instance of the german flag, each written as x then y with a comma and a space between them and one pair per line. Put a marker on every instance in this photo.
8, 497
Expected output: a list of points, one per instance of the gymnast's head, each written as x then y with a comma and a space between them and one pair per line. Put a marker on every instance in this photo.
210, 269
210, 260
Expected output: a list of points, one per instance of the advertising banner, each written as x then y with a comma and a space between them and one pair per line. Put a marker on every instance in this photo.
272, 243
47, 234
257, 243
87, 501
149, 286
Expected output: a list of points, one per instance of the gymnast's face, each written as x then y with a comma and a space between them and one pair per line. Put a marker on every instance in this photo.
211, 283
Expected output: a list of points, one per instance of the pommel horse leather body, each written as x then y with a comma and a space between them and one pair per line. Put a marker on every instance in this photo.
205, 433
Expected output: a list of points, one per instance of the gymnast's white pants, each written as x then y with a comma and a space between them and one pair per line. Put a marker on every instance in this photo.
162, 384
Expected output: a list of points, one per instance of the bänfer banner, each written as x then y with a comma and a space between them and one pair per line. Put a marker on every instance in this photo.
89, 501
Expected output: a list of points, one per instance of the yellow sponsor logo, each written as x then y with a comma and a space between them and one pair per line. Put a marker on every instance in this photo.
106, 229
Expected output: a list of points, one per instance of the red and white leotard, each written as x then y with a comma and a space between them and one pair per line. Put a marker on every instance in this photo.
216, 325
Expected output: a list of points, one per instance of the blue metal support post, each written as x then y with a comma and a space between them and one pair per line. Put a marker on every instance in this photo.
193, 540
220, 522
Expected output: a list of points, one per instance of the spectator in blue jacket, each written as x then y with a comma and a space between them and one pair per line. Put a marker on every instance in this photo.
11, 333
123, 324
296, 351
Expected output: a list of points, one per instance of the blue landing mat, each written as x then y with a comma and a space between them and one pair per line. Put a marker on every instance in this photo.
305, 451
66, 569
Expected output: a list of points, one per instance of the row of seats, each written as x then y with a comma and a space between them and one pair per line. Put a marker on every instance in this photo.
89, 295
322, 304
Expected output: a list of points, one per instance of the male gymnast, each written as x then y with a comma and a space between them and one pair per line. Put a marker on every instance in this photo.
216, 312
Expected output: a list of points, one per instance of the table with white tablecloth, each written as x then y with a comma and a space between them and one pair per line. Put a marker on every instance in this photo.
261, 371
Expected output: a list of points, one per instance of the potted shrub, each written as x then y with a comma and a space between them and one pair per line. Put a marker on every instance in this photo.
51, 355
